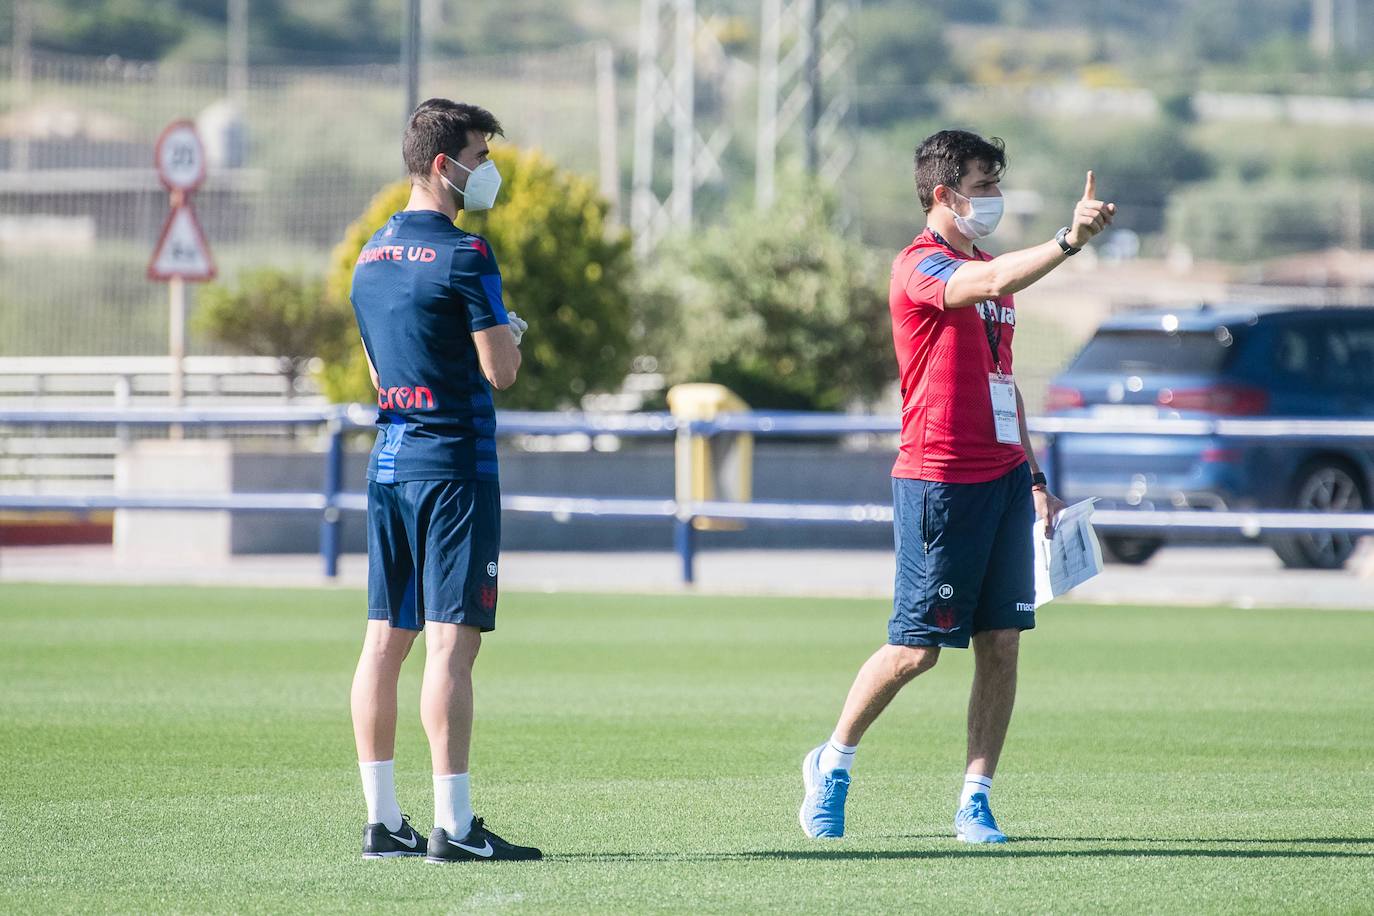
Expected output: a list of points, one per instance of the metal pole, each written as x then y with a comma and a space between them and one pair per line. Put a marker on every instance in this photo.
813, 82
684, 541
176, 333
22, 65
410, 56
330, 527
766, 148
643, 202
1323, 29
238, 52
606, 117
684, 113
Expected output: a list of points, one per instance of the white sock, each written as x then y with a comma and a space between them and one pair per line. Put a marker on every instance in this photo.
379, 788
453, 804
974, 783
836, 756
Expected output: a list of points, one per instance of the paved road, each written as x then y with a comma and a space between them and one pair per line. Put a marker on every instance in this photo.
1239, 576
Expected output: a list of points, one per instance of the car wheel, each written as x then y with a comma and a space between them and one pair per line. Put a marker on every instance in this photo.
1326, 486
1133, 551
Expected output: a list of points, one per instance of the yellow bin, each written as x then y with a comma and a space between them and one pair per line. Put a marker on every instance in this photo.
719, 467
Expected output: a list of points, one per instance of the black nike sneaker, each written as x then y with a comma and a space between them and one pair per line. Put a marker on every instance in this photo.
381, 843
480, 845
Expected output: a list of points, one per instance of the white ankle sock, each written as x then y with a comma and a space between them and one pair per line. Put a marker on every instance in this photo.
379, 788
974, 783
453, 804
836, 756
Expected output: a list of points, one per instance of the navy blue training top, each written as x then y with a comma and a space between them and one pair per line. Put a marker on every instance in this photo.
421, 287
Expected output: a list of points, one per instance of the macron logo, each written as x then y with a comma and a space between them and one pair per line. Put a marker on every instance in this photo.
404, 397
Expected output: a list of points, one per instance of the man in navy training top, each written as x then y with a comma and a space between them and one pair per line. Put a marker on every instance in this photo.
427, 296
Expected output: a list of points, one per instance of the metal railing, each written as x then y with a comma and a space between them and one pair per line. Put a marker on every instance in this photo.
331, 500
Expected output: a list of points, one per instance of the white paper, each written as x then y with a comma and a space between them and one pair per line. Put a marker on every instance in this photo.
1071, 557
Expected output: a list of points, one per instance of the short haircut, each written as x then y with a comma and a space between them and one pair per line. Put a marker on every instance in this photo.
943, 158
442, 126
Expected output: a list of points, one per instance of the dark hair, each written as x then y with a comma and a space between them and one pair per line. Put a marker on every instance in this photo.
943, 158
442, 126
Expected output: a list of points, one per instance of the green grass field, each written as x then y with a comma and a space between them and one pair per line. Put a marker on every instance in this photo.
186, 750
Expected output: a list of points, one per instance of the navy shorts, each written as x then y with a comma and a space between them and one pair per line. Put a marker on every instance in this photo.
432, 549
964, 559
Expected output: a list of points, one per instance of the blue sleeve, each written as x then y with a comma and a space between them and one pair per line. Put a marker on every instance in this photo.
926, 283
476, 282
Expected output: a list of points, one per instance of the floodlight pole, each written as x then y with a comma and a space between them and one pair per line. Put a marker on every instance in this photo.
21, 65
813, 83
238, 52
410, 56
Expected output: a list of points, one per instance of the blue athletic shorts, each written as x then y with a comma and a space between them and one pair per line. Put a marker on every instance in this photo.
964, 559
432, 549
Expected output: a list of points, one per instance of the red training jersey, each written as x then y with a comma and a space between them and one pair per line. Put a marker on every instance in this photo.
944, 357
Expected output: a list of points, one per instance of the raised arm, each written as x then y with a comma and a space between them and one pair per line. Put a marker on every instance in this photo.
1012, 272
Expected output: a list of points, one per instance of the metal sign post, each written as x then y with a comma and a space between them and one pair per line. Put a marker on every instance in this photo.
182, 253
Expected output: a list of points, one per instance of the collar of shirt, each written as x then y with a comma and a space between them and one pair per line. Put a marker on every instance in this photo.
977, 254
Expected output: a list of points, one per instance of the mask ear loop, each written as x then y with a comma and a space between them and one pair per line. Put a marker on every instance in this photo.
957, 194
444, 178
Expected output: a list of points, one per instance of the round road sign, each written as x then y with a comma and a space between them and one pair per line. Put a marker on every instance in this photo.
180, 157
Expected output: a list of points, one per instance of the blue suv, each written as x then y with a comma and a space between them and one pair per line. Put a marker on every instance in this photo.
1230, 361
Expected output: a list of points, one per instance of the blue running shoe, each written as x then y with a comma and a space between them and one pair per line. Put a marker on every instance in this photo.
973, 823
822, 810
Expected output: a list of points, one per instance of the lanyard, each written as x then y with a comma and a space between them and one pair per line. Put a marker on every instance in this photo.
993, 329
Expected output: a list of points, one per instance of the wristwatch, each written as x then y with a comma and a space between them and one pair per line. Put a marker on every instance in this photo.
1038, 478
1062, 237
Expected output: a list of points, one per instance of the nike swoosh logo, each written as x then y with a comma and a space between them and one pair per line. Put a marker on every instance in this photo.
409, 844
484, 850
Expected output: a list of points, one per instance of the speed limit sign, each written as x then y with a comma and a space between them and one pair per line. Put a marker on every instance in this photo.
180, 157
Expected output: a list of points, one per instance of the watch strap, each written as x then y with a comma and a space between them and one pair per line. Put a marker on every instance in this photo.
1062, 237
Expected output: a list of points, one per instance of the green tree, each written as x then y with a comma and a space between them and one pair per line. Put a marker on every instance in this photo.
1144, 166
142, 29
898, 54
564, 270
272, 312
774, 305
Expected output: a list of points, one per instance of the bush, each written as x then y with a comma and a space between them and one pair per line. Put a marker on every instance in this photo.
1241, 222
275, 313
777, 306
564, 271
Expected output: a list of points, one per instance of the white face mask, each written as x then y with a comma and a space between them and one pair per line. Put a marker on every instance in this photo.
982, 222
483, 183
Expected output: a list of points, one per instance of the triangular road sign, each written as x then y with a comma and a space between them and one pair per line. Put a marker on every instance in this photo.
182, 251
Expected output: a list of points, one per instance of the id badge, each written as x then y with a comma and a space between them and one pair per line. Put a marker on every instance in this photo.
1004, 420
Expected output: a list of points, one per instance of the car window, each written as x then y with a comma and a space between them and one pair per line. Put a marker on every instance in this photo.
1349, 356
1295, 353
1154, 351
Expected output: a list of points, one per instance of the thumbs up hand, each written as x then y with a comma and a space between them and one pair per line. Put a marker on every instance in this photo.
1090, 216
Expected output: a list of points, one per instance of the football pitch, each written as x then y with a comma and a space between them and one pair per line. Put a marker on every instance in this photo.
189, 750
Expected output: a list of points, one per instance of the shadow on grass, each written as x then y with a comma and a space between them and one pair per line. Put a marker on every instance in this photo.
1156, 848
1242, 841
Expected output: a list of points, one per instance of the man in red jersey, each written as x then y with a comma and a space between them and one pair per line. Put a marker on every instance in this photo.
965, 483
